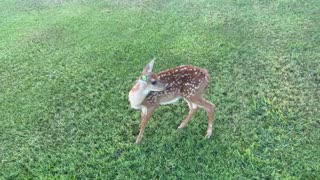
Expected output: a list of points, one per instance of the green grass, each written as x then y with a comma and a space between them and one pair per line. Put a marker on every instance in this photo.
66, 68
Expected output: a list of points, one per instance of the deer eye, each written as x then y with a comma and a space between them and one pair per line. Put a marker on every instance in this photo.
153, 82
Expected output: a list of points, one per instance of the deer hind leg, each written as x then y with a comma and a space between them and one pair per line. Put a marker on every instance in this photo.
209, 107
145, 117
192, 110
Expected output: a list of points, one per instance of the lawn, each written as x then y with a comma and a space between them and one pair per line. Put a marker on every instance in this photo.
66, 67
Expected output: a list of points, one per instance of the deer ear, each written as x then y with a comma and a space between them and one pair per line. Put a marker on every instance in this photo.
148, 69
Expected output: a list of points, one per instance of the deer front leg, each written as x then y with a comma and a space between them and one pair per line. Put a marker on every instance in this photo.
145, 117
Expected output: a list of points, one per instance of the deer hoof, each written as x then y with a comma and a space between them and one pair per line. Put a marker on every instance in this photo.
181, 126
209, 134
138, 141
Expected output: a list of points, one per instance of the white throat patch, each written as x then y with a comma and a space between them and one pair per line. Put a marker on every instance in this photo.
137, 94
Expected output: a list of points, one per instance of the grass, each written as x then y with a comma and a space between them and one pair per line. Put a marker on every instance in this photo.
67, 67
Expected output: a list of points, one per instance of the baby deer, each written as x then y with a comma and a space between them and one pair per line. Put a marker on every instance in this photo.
153, 90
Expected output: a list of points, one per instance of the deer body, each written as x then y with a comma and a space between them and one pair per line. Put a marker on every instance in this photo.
153, 90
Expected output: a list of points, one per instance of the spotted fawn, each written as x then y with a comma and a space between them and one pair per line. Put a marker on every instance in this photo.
187, 82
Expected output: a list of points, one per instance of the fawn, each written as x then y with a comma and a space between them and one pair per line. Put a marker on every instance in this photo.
152, 90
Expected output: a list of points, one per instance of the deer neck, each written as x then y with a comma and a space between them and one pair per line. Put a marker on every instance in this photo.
137, 94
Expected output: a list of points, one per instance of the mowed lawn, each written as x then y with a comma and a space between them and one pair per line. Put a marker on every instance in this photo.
66, 67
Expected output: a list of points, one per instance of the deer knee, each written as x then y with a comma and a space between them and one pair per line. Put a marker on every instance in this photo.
213, 106
210, 107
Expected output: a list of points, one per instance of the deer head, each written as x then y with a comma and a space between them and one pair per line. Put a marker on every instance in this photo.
147, 82
150, 81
